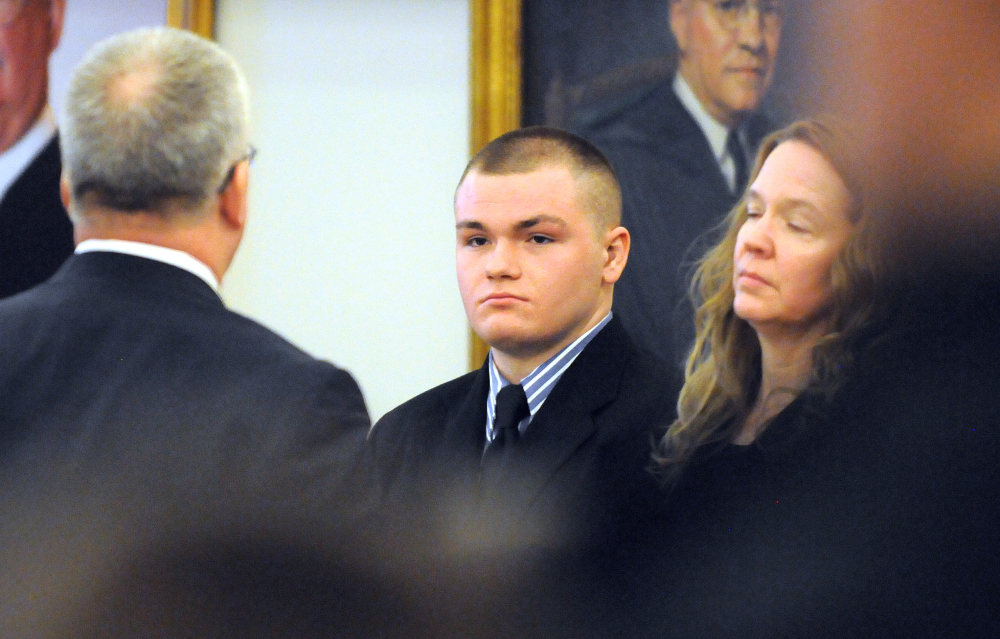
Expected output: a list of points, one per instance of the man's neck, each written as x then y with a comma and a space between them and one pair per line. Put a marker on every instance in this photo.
16, 158
714, 130
18, 125
191, 234
155, 252
702, 104
515, 366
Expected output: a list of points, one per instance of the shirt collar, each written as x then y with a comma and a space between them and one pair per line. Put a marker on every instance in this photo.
180, 259
16, 159
539, 382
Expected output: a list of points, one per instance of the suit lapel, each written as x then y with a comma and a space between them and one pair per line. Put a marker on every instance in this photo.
465, 428
681, 139
566, 421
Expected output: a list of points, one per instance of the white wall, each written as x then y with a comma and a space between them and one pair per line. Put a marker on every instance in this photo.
361, 115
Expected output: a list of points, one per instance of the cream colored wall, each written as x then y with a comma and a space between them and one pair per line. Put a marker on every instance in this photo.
361, 114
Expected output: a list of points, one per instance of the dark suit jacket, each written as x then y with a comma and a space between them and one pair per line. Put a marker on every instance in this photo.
581, 462
139, 418
36, 236
673, 193
119, 357
525, 555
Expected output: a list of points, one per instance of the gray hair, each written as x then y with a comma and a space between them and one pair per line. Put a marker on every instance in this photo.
153, 116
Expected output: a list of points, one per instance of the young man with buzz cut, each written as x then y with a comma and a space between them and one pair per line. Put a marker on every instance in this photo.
548, 443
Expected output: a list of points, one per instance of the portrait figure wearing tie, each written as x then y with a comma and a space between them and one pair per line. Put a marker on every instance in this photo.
549, 439
681, 150
36, 236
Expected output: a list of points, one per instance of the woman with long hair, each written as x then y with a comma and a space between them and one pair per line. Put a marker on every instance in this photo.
756, 458
782, 300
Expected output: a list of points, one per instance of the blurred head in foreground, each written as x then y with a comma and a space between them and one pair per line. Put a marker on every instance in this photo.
920, 87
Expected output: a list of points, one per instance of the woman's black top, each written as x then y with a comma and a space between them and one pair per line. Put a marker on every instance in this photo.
875, 514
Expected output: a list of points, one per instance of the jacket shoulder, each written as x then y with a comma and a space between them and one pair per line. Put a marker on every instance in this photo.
647, 112
403, 443
430, 408
650, 386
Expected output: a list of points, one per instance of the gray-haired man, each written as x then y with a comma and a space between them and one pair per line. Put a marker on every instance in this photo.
127, 389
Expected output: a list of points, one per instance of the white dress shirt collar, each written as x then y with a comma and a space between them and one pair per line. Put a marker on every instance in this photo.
715, 132
180, 259
18, 157
539, 382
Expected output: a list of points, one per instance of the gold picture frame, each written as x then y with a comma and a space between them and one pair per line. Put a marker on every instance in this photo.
194, 15
495, 85
495, 70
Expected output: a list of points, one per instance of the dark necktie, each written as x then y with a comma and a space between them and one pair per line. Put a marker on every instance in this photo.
736, 151
511, 408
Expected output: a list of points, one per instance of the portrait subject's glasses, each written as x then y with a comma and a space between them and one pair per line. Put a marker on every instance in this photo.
732, 13
248, 158
9, 10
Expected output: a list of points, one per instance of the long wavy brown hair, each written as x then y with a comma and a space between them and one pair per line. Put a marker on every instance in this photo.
723, 370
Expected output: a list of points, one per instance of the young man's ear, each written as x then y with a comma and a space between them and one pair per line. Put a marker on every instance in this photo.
617, 242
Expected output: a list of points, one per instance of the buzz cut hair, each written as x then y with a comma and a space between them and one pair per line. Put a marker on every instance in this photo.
537, 147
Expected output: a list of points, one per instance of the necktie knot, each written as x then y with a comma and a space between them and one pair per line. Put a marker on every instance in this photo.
511, 408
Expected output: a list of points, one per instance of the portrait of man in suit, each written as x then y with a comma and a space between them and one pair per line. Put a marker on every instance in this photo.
35, 234
677, 94
681, 150
551, 436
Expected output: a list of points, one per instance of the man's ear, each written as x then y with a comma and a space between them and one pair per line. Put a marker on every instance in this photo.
679, 17
233, 199
617, 242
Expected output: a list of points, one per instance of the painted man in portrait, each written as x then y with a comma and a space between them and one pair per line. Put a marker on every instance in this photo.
682, 148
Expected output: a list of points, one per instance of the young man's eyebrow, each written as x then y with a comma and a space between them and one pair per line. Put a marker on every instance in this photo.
522, 225
540, 219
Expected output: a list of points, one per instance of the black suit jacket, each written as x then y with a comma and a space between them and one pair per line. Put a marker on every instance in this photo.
190, 462
529, 554
127, 375
36, 236
673, 195
581, 464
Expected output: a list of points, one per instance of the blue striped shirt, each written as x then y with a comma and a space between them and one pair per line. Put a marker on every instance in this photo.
540, 382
